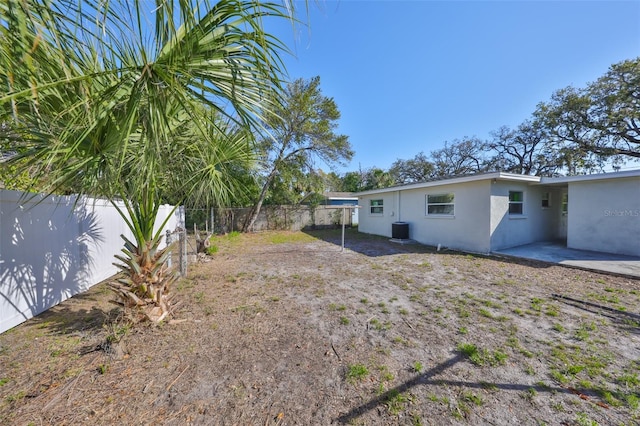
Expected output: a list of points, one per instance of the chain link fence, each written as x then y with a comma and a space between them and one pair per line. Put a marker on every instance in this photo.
189, 242
178, 257
288, 218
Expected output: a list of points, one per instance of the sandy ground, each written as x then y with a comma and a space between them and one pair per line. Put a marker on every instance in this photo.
284, 328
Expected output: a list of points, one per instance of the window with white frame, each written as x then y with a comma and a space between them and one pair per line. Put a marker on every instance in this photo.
440, 204
565, 204
376, 206
516, 202
546, 200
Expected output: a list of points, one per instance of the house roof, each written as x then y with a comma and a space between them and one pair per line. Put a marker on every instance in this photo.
454, 180
331, 196
505, 177
584, 178
339, 195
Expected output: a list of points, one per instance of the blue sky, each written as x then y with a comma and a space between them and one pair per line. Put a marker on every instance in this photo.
409, 75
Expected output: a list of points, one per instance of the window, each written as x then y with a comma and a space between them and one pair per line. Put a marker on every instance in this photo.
565, 204
376, 206
516, 202
440, 204
546, 203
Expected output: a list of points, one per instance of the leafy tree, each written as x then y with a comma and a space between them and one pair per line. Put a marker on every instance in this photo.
302, 129
416, 169
353, 181
108, 98
525, 150
375, 178
15, 176
182, 170
293, 184
600, 122
331, 181
460, 157
365, 180
12, 176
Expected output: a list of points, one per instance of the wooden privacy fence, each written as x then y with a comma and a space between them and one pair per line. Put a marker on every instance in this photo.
290, 218
52, 248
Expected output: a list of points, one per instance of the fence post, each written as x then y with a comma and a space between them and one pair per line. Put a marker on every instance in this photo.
183, 251
168, 243
344, 210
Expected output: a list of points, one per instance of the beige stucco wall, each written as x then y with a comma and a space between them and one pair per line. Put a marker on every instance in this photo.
537, 223
375, 223
603, 213
605, 216
467, 229
480, 223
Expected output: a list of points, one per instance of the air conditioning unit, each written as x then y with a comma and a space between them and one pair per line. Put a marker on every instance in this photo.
400, 230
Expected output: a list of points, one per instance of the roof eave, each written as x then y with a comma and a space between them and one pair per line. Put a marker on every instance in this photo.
585, 178
456, 180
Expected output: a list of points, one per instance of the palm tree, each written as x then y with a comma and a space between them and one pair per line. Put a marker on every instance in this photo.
125, 99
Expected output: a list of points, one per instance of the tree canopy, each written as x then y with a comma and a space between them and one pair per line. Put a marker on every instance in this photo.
580, 130
525, 150
417, 169
105, 96
301, 130
460, 157
602, 119
130, 98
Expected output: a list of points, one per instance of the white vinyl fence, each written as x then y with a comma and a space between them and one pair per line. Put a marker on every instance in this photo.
52, 248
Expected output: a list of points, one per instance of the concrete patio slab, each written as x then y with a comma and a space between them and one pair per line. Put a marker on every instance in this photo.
554, 252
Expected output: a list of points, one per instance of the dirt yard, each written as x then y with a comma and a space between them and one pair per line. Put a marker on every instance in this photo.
284, 328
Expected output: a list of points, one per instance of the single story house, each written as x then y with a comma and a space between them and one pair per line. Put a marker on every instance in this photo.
492, 211
343, 199
329, 198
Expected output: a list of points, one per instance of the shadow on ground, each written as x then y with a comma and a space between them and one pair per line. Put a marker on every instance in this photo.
78, 315
426, 378
376, 246
367, 244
